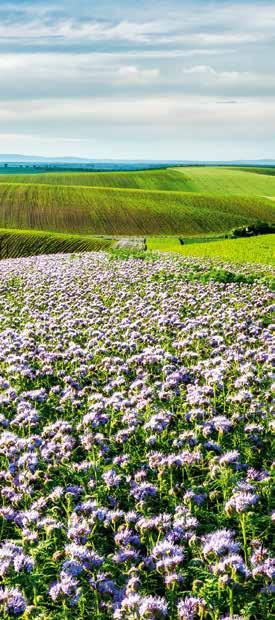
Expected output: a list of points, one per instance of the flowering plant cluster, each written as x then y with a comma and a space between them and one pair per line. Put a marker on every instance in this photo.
135, 441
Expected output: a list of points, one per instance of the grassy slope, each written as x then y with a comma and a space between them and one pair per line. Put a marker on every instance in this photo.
256, 170
144, 179
125, 212
138, 203
253, 250
15, 243
226, 181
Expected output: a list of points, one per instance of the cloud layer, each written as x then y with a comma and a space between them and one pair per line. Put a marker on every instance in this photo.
172, 80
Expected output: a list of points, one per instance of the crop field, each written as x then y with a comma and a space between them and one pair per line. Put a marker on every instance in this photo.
145, 179
224, 181
232, 181
251, 250
15, 243
136, 440
108, 211
168, 243
201, 202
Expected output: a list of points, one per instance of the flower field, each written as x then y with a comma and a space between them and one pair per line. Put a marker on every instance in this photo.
135, 440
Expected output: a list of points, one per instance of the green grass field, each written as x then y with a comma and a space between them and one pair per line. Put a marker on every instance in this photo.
166, 242
189, 202
145, 179
83, 210
229, 181
15, 243
255, 169
251, 250
213, 180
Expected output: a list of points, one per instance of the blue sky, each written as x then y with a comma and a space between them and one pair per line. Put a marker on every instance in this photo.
138, 79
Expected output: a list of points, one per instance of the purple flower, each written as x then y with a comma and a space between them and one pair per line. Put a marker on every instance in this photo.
190, 607
231, 563
153, 607
220, 542
167, 555
126, 537
241, 502
230, 458
13, 600
111, 478
143, 490
82, 554
266, 568
12, 556
126, 555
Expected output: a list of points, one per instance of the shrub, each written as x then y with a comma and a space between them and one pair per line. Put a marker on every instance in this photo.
262, 228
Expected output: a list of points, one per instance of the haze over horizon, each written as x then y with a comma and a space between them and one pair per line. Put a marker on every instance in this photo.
18, 158
188, 81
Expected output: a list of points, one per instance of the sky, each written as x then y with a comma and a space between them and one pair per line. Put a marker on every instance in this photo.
138, 79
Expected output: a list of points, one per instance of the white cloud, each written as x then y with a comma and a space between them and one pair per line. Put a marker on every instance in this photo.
45, 75
172, 111
200, 70
73, 69
96, 72
166, 127
132, 75
70, 30
214, 24
205, 74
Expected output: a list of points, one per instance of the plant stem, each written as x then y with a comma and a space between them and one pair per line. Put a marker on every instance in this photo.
243, 526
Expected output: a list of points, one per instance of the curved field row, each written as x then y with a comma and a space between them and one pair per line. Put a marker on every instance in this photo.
212, 180
125, 212
145, 179
15, 243
250, 250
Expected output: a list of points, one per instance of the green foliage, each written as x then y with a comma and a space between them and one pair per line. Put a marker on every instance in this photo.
262, 228
127, 253
207, 275
224, 276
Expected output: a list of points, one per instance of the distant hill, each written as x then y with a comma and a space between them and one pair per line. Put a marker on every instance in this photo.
17, 158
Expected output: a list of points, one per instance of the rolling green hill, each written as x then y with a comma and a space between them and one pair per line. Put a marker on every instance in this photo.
212, 180
84, 210
229, 181
57, 211
145, 179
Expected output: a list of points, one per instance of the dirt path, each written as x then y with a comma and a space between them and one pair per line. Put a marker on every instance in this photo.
131, 243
